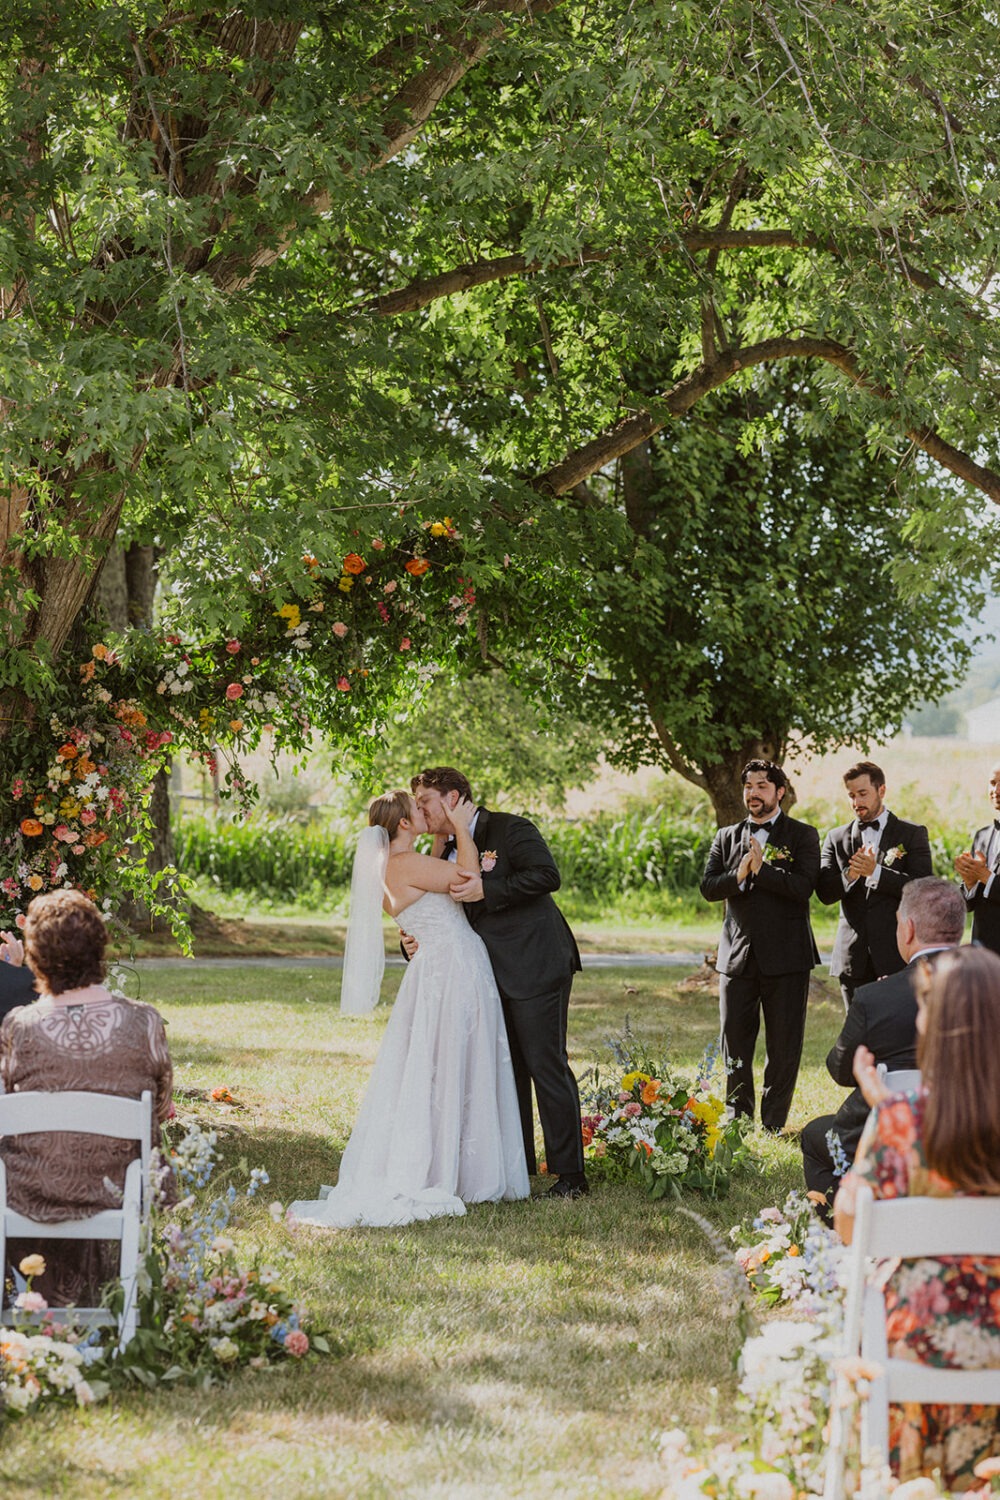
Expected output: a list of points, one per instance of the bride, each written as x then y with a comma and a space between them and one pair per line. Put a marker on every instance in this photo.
439, 1125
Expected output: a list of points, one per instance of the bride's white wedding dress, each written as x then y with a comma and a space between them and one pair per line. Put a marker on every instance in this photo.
439, 1125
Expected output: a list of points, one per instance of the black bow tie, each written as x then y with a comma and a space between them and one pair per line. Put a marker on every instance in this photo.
996, 822
449, 845
871, 823
762, 827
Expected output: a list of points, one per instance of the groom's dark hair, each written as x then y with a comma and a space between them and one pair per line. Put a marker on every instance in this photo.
774, 774
442, 779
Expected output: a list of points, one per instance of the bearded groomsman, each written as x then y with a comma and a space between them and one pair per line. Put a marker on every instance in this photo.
978, 867
764, 868
864, 865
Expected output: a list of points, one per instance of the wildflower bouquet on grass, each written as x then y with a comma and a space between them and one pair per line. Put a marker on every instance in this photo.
202, 1310
643, 1119
790, 1257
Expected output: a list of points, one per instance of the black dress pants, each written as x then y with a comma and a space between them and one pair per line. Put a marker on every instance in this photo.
536, 1029
781, 999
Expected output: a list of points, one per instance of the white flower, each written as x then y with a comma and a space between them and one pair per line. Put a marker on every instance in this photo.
917, 1489
222, 1243
765, 1486
225, 1350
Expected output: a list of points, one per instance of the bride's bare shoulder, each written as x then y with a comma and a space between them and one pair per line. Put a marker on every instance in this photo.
422, 871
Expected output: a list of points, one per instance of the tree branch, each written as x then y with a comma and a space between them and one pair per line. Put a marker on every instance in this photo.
631, 431
464, 278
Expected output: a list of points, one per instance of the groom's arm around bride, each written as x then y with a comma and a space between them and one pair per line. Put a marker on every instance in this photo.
508, 901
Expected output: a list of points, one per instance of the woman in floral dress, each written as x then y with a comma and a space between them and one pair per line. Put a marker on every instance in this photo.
941, 1140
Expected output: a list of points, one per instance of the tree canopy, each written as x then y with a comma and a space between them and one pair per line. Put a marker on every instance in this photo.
276, 288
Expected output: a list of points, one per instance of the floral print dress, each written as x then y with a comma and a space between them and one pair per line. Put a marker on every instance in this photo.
941, 1312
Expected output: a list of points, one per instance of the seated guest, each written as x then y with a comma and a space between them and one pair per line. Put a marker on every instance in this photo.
77, 1036
939, 1140
882, 1017
17, 983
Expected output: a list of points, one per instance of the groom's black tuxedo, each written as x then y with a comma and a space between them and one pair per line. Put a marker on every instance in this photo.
865, 945
534, 957
986, 909
765, 955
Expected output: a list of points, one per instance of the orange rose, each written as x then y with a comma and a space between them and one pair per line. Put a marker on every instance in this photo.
31, 828
651, 1091
99, 652
353, 563
94, 839
417, 567
587, 1133
67, 751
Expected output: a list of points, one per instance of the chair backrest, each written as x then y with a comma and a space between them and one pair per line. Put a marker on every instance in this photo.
903, 1080
915, 1227
38, 1113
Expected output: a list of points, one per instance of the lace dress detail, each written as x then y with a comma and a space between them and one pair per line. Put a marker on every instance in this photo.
439, 1125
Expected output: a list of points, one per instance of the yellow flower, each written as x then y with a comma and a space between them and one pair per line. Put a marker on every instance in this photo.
631, 1079
438, 528
291, 614
32, 1265
35, 882
346, 584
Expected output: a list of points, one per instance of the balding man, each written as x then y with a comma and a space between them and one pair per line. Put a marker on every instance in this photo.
883, 1018
977, 869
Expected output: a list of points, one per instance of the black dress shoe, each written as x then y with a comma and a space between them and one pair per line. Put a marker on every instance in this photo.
565, 1187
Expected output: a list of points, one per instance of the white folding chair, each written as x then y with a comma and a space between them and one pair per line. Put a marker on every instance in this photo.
899, 1080
911, 1228
86, 1114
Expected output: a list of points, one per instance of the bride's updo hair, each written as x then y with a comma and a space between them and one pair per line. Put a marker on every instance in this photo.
388, 810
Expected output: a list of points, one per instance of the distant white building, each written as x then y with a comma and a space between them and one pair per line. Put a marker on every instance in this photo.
983, 723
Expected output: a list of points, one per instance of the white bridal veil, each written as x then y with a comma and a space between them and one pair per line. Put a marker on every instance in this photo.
364, 952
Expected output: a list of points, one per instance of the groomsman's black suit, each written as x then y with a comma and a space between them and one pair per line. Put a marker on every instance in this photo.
865, 946
986, 909
534, 957
883, 1018
765, 955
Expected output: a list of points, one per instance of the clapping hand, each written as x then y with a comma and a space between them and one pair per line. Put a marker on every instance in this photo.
751, 861
863, 862
869, 1082
11, 949
972, 869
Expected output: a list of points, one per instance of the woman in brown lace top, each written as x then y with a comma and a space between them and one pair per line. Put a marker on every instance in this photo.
77, 1035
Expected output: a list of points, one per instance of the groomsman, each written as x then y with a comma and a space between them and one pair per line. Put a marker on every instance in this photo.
864, 865
978, 867
764, 868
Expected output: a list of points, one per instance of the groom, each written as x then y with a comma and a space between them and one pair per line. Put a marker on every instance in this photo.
534, 956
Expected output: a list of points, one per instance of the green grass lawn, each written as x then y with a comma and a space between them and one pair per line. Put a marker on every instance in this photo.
525, 1350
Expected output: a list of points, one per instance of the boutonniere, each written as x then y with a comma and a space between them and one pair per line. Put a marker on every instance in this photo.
488, 860
774, 852
891, 855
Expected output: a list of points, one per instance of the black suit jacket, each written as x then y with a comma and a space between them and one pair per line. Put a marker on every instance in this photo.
867, 923
882, 1017
528, 939
985, 909
770, 917
17, 987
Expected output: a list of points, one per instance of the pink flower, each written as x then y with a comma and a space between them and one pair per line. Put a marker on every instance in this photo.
88, 816
20, 920
232, 647
296, 1343
390, 587
78, 849
378, 545
404, 644
63, 834
339, 629
343, 686
632, 1109
234, 691
34, 1302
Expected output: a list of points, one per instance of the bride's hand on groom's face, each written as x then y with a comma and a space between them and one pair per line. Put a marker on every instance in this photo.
462, 814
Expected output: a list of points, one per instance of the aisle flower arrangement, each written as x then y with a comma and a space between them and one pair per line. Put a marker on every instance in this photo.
791, 1258
643, 1119
204, 1311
